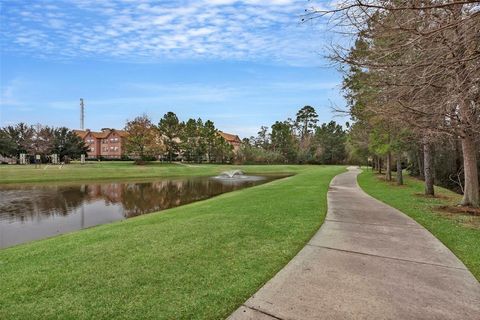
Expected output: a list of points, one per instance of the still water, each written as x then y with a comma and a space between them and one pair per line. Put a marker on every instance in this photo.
40, 211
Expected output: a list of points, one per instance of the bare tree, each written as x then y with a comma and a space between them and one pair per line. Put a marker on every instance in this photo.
422, 58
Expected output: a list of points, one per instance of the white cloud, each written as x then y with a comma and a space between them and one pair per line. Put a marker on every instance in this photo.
9, 92
268, 30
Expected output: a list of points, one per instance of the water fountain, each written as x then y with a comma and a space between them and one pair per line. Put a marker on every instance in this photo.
232, 173
235, 176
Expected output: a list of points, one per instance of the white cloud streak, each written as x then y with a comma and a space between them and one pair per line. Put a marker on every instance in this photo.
259, 30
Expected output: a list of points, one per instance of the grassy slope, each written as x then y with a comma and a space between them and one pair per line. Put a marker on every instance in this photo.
199, 261
122, 170
460, 233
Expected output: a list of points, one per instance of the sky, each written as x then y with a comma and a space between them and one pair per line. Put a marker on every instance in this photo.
241, 64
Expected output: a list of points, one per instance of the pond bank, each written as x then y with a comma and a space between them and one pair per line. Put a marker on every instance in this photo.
199, 261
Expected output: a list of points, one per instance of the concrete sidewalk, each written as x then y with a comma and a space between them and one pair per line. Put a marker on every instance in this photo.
367, 261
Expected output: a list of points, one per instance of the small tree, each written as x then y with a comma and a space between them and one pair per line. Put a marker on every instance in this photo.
143, 140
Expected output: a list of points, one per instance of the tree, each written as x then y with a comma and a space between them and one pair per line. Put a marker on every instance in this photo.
7, 144
331, 139
423, 62
223, 151
263, 138
143, 140
41, 141
209, 136
190, 140
20, 138
66, 143
357, 142
283, 140
306, 121
170, 129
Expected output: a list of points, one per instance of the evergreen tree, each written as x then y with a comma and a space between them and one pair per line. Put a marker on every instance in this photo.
66, 143
170, 129
283, 140
306, 121
331, 138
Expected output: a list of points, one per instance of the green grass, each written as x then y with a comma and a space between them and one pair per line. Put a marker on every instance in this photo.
123, 170
199, 261
459, 232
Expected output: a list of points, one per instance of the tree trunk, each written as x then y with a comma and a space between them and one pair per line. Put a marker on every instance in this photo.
388, 174
379, 165
421, 169
471, 194
428, 169
399, 171
374, 163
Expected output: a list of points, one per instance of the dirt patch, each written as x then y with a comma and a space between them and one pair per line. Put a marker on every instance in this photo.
393, 182
437, 196
467, 217
460, 210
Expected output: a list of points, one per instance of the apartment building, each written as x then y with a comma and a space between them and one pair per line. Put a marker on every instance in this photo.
232, 139
108, 143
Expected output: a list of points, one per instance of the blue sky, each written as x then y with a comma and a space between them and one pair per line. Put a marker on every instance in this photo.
241, 64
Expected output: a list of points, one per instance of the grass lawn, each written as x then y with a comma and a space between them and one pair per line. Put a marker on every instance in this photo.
459, 232
199, 261
124, 170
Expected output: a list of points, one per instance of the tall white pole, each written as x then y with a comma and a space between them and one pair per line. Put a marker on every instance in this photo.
81, 114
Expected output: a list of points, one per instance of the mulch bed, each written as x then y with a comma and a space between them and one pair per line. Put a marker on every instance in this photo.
460, 210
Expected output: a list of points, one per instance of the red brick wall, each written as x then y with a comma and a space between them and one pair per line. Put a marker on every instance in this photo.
111, 146
93, 144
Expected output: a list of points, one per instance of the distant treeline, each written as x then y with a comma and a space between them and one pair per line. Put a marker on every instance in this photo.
171, 139
40, 140
296, 141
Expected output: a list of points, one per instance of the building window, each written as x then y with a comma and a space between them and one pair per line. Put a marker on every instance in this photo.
92, 149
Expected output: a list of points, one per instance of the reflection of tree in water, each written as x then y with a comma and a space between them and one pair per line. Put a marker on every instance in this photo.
29, 203
143, 198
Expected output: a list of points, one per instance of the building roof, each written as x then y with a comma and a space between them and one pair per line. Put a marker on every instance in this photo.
229, 137
81, 133
102, 134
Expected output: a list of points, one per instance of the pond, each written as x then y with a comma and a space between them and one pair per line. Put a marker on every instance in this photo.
30, 212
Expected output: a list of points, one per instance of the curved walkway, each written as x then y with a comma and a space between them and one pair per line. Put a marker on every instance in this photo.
367, 261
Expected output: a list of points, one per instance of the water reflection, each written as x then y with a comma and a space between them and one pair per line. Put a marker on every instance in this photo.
40, 211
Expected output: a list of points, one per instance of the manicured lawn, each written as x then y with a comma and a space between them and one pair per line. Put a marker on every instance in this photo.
122, 170
199, 261
459, 232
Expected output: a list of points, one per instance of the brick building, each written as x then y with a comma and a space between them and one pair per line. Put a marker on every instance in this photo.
108, 143
232, 139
